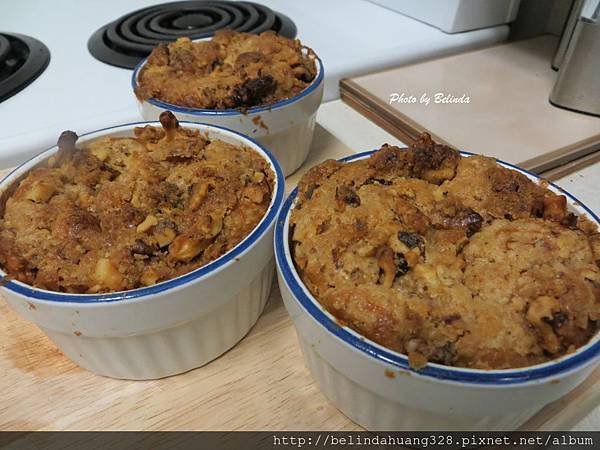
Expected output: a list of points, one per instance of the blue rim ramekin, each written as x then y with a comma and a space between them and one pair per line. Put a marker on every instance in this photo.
560, 365
230, 112
226, 259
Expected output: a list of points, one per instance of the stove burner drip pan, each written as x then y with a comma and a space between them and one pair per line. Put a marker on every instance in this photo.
22, 60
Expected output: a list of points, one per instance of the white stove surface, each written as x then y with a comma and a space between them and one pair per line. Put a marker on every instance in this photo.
80, 93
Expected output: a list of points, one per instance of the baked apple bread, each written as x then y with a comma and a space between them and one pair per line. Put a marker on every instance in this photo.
448, 259
120, 213
232, 70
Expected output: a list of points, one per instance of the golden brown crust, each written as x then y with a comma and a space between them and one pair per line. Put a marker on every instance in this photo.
233, 70
121, 213
450, 259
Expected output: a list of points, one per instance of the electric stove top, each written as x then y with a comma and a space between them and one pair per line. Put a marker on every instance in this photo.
22, 60
87, 84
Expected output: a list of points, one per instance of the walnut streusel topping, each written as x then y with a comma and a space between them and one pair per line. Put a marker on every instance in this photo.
449, 259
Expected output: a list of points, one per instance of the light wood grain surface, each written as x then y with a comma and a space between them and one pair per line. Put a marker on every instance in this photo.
260, 384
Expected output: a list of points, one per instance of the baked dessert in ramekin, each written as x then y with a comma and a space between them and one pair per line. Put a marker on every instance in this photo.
265, 86
450, 285
142, 251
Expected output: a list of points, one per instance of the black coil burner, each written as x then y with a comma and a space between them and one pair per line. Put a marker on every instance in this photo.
22, 60
129, 39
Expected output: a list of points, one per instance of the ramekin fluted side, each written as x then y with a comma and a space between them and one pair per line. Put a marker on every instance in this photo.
178, 349
377, 413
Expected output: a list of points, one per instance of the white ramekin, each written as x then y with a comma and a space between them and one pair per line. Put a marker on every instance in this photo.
173, 326
285, 127
375, 386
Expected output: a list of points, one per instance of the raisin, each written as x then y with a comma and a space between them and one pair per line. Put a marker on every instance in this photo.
558, 319
347, 195
473, 223
412, 240
380, 181
309, 191
142, 248
166, 224
537, 208
113, 173
323, 226
172, 195
431, 156
569, 221
360, 225
253, 92
391, 160
466, 219
444, 355
401, 264
131, 215
451, 318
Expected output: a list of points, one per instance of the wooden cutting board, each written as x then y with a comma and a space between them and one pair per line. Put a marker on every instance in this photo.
508, 115
260, 384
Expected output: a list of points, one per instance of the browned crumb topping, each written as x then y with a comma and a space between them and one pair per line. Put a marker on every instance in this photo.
448, 259
121, 213
233, 70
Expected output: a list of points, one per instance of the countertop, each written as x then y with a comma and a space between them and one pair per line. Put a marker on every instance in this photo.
482, 100
260, 384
